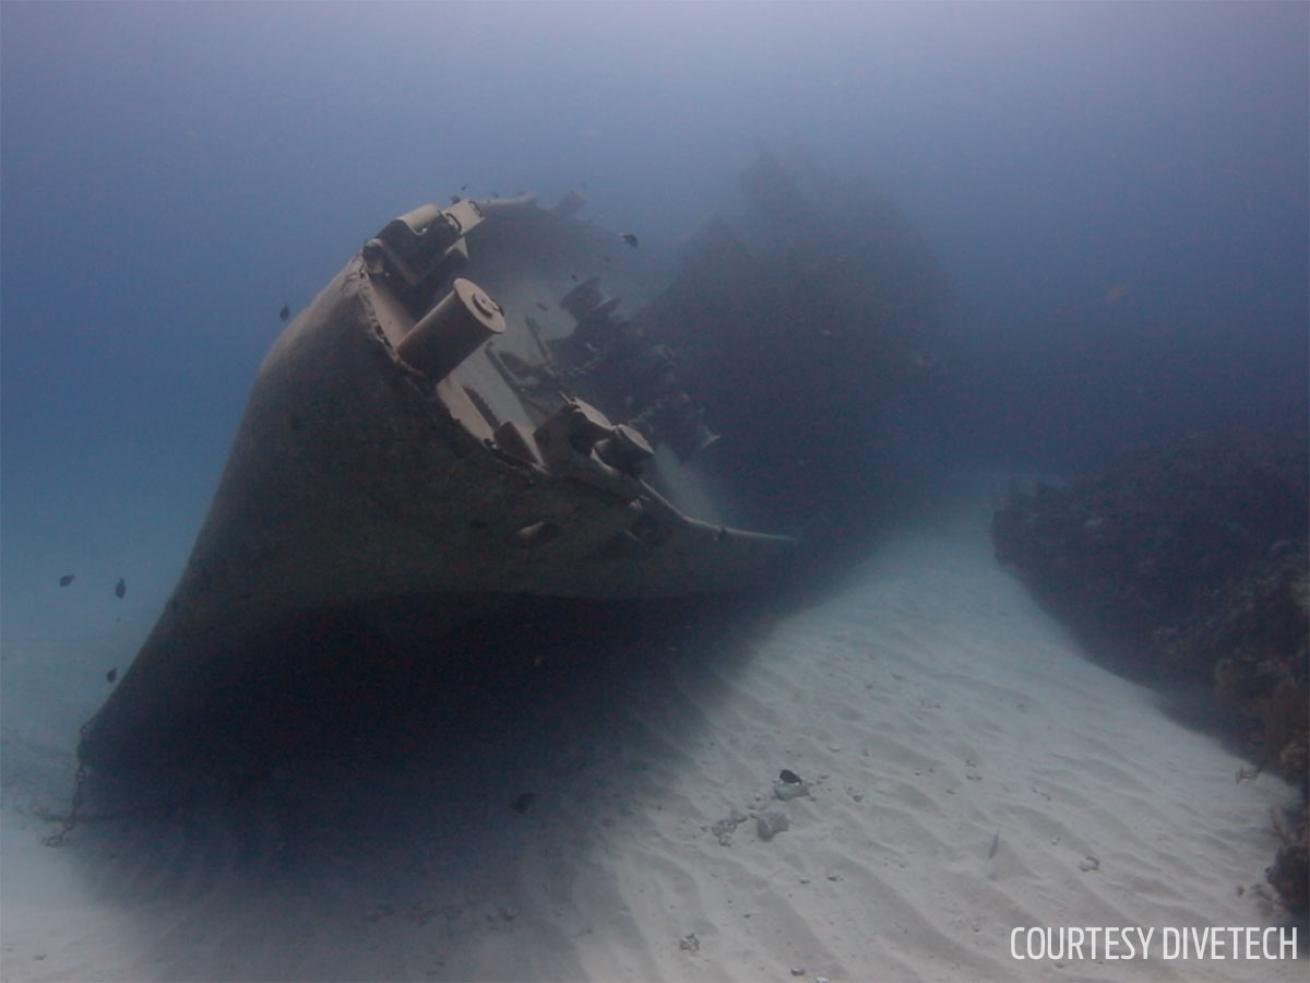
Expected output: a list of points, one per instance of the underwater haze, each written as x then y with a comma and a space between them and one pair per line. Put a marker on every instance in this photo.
1117, 194
1114, 199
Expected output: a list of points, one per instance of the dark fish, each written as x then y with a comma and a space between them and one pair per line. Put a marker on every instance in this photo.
542, 306
111, 675
120, 588
521, 804
463, 187
630, 239
789, 776
996, 845
285, 313
66, 579
455, 199
574, 276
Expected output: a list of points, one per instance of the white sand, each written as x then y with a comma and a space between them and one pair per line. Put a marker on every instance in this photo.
931, 702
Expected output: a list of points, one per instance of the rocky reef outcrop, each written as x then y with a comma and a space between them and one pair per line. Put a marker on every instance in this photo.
1188, 563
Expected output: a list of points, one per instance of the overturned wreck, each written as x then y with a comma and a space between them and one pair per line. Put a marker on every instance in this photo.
464, 416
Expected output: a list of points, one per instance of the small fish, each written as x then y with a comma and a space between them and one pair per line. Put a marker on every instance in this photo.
574, 276
523, 802
66, 579
120, 588
541, 306
790, 777
285, 313
630, 239
996, 845
463, 187
111, 675
455, 199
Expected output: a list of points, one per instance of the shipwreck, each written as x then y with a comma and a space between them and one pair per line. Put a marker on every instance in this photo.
467, 413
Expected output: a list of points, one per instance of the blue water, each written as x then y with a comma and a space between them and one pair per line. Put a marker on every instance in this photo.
1117, 193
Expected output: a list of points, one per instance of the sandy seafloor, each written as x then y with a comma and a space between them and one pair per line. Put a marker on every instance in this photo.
929, 700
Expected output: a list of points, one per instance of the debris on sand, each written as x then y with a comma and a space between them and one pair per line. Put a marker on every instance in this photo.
770, 824
724, 828
789, 786
786, 791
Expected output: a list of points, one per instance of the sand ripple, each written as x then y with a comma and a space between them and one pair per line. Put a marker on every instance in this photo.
930, 703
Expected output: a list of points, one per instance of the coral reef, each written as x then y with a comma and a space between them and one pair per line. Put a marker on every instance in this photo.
1290, 872
1189, 563
1253, 631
